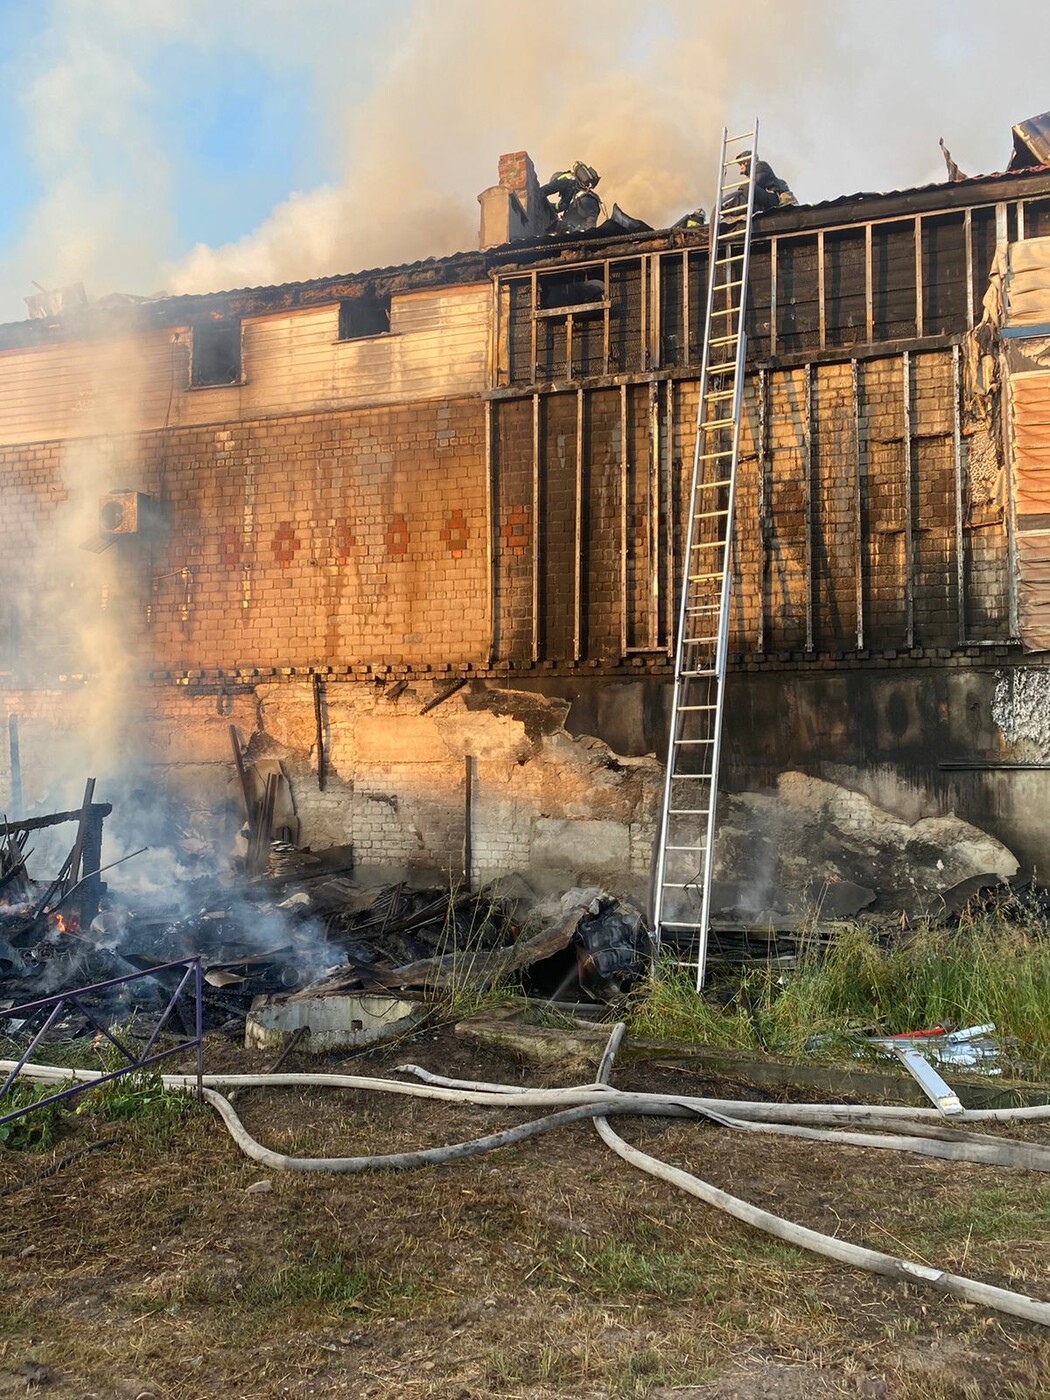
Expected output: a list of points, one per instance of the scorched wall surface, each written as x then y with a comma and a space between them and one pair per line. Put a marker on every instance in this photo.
404, 510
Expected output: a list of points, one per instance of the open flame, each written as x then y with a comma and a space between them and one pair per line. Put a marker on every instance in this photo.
61, 924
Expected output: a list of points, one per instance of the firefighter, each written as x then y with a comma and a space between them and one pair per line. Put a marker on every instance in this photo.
697, 218
577, 205
770, 192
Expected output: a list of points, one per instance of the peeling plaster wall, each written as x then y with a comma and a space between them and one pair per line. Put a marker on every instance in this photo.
562, 808
566, 787
1021, 708
543, 801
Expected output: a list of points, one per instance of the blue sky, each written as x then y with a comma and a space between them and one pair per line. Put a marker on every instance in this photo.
150, 145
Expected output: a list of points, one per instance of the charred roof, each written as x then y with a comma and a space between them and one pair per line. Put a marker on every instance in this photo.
101, 321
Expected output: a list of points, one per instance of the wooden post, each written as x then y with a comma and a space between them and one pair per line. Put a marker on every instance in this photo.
322, 758
468, 819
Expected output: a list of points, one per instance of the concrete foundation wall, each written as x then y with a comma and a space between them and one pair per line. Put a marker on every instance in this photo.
564, 783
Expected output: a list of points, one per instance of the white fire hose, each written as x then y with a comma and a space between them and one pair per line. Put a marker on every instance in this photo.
906, 1130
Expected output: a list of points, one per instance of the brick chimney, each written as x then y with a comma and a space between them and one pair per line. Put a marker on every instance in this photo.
514, 209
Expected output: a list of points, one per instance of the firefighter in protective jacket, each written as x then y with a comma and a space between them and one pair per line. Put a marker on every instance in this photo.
770, 192
577, 206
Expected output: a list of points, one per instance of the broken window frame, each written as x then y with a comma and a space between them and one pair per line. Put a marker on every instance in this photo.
201, 374
371, 310
919, 316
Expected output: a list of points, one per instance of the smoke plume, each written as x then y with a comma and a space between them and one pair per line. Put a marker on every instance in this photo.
412, 101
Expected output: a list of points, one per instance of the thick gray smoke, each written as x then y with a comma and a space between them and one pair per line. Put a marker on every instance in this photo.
415, 100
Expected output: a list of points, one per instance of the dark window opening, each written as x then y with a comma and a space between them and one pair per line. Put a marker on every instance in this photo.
216, 357
570, 289
1036, 218
364, 316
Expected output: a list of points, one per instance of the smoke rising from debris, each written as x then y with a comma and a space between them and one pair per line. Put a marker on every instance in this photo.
415, 101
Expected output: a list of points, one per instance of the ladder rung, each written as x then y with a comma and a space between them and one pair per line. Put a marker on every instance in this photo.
710, 544
688, 811
734, 184
709, 514
724, 340
744, 136
724, 286
692, 674
706, 578
685, 848
707, 485
717, 423
732, 258
679, 923
719, 393
680, 885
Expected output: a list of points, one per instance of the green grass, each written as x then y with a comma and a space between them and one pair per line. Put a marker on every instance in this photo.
35, 1131
988, 968
138, 1096
474, 979
316, 1281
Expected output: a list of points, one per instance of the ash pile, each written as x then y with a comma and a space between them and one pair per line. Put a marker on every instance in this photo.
286, 924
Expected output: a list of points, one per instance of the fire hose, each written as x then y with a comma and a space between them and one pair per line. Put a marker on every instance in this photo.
912, 1130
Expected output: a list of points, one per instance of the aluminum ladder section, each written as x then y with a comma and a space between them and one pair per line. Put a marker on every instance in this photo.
682, 869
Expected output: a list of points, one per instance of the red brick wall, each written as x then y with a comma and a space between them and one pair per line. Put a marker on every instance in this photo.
331, 538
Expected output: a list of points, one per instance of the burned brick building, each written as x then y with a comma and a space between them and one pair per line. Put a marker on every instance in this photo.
420, 528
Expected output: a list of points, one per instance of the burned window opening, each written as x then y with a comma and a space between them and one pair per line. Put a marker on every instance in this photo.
364, 316
572, 291
216, 354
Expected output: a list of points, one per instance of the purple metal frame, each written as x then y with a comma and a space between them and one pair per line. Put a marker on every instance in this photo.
191, 971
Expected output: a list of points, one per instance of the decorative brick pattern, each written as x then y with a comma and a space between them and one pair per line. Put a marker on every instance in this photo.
456, 534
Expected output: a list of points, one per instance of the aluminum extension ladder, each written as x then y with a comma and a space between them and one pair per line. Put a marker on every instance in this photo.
685, 847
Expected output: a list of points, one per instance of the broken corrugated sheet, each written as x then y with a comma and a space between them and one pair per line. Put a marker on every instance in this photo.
1031, 143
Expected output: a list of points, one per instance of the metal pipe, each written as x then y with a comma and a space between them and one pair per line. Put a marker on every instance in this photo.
653, 511
807, 465
625, 486
490, 533
535, 527
763, 505
957, 468
909, 523
670, 519
858, 502
577, 549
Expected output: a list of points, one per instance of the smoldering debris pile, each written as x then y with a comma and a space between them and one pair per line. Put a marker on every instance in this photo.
309, 925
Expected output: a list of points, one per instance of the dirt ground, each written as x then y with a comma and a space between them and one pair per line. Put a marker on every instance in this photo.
152, 1268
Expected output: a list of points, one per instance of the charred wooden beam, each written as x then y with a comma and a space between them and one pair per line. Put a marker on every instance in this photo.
101, 809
